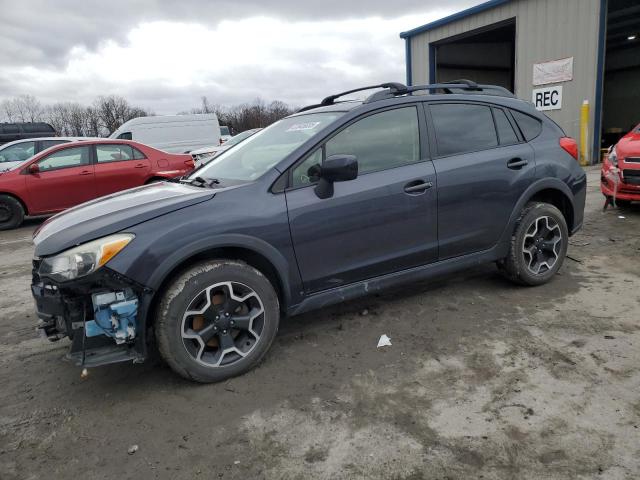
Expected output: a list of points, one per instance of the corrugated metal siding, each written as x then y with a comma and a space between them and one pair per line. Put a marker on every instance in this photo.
545, 30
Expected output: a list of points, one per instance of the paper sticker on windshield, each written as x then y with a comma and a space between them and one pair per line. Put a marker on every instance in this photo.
303, 126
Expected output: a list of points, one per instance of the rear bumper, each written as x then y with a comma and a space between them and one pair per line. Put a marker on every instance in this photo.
67, 310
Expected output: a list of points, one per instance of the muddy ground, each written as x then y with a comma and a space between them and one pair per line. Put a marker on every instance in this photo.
483, 380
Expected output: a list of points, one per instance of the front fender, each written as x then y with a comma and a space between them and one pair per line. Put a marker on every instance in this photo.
253, 244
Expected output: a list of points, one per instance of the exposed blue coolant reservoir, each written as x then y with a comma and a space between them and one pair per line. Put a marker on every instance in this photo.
114, 315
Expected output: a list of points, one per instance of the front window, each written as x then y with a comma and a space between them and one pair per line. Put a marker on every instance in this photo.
17, 153
65, 158
260, 152
225, 131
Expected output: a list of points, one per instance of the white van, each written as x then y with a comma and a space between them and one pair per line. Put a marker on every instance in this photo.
172, 133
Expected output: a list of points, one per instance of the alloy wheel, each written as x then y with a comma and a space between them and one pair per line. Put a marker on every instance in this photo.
541, 245
223, 324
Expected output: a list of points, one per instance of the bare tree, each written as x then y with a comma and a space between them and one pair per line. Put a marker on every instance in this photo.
25, 108
92, 122
252, 115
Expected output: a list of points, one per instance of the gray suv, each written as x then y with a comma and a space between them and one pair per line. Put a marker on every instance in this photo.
339, 200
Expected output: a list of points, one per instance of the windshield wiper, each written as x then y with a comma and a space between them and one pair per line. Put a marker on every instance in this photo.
200, 182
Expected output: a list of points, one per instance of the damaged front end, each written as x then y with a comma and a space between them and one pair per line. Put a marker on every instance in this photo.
101, 311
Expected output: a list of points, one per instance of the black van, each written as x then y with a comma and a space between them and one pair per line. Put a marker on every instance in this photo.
10, 132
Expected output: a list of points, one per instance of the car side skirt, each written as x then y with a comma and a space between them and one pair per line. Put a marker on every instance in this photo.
374, 285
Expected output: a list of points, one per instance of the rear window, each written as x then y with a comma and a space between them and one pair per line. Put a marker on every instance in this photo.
462, 128
125, 136
529, 126
137, 154
113, 153
50, 143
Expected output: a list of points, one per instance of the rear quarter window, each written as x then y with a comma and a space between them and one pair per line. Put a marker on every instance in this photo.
529, 126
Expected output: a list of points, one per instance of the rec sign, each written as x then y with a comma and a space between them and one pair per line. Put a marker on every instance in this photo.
549, 98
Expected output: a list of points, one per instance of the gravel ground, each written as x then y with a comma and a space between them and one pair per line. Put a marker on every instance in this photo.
483, 380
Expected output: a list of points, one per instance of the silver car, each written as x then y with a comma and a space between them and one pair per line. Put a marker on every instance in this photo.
205, 154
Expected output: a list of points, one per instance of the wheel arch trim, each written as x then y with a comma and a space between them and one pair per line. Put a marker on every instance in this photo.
248, 243
18, 198
534, 189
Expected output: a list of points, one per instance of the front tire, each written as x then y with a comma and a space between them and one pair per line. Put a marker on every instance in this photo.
11, 212
217, 320
538, 245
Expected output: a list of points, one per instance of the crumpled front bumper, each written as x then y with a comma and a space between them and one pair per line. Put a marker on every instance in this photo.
65, 310
612, 184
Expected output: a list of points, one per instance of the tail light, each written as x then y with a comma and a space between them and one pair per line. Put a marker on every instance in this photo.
189, 163
570, 146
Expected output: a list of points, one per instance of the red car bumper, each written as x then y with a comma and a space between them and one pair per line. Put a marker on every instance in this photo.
627, 180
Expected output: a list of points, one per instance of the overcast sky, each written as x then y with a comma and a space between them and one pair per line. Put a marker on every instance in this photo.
165, 55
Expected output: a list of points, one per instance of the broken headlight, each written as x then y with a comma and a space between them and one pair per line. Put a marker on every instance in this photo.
83, 259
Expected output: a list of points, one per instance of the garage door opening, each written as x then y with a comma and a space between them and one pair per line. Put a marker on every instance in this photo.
485, 55
621, 95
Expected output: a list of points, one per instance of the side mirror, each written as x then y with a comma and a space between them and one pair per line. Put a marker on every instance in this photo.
33, 168
336, 168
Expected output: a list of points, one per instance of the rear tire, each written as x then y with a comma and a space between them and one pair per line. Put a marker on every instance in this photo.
217, 320
11, 212
538, 245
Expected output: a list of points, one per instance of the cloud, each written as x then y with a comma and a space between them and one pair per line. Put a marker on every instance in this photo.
165, 59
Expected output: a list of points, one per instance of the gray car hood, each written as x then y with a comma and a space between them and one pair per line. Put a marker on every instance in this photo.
114, 213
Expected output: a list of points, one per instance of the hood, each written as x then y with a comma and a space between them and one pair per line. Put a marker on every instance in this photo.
629, 145
113, 213
213, 148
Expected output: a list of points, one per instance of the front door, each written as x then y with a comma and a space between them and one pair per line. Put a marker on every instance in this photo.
65, 179
383, 221
118, 167
483, 167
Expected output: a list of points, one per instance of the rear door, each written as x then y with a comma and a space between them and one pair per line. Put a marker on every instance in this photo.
483, 166
65, 179
383, 221
118, 167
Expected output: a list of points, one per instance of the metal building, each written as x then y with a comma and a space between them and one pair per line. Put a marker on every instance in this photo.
556, 53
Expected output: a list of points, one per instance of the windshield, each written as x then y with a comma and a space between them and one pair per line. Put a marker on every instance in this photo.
261, 151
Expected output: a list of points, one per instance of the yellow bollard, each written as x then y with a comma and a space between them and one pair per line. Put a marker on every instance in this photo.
584, 134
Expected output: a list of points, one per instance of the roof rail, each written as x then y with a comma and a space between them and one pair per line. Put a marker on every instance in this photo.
451, 87
393, 89
467, 86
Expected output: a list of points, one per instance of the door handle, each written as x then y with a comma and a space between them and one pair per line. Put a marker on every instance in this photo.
517, 163
419, 186
140, 165
85, 172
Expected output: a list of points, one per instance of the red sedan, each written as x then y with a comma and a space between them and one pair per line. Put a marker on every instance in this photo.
72, 173
620, 175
